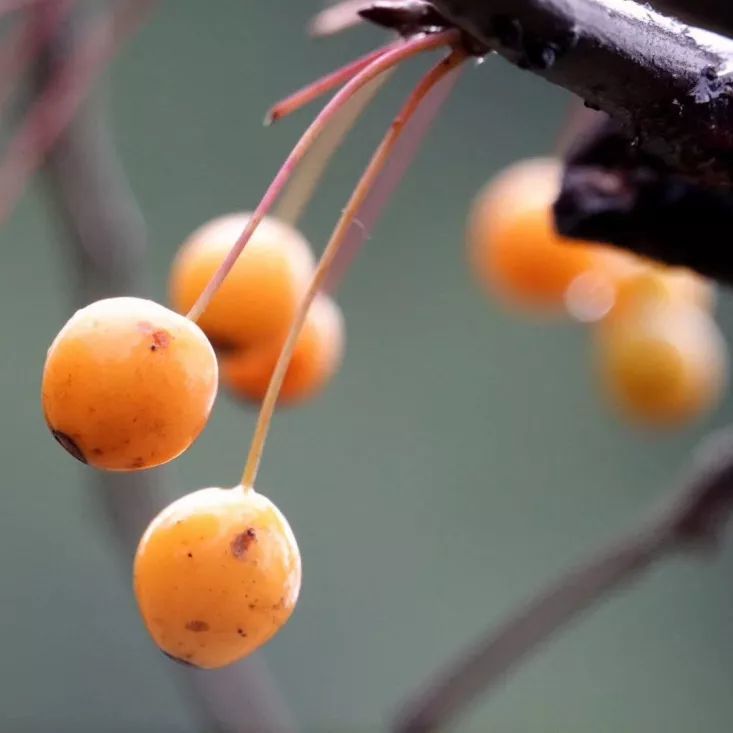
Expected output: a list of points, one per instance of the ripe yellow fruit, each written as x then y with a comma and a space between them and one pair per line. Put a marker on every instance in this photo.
626, 281
665, 363
258, 299
651, 282
513, 246
217, 573
316, 357
128, 384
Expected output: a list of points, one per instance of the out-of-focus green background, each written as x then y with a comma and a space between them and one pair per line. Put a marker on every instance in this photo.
461, 457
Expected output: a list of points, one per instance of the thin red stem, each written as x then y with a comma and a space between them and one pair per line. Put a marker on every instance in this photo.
325, 84
303, 183
387, 60
361, 191
400, 160
57, 104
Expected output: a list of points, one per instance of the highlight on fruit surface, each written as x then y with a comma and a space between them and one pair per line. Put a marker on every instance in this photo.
663, 364
315, 359
513, 248
627, 281
128, 384
652, 282
217, 573
256, 302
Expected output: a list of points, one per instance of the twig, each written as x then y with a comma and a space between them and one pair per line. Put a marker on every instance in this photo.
26, 41
64, 91
14, 57
668, 84
612, 192
692, 518
107, 237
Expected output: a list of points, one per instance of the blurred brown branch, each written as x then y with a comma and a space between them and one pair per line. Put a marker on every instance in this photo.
691, 519
67, 82
106, 232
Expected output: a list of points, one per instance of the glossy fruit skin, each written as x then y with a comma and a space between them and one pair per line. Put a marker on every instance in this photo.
513, 247
217, 573
665, 364
316, 358
649, 282
626, 282
128, 384
258, 299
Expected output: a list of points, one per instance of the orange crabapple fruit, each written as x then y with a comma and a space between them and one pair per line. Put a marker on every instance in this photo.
315, 359
258, 299
217, 573
664, 363
128, 384
628, 280
653, 282
513, 247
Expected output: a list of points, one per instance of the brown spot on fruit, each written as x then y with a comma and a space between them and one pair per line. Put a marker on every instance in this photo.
242, 632
161, 339
224, 347
242, 541
184, 662
69, 445
196, 625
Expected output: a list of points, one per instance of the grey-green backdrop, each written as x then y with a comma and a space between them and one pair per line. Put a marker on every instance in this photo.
461, 456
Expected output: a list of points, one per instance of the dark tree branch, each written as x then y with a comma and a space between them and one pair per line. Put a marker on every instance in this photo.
693, 518
668, 85
613, 192
107, 237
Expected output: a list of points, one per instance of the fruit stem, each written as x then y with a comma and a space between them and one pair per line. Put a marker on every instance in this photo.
326, 83
302, 185
361, 191
385, 61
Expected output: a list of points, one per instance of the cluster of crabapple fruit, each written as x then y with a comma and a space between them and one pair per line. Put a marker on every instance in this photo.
129, 384
248, 318
659, 353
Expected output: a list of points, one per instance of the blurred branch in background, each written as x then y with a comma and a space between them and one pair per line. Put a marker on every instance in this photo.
71, 74
689, 520
106, 232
